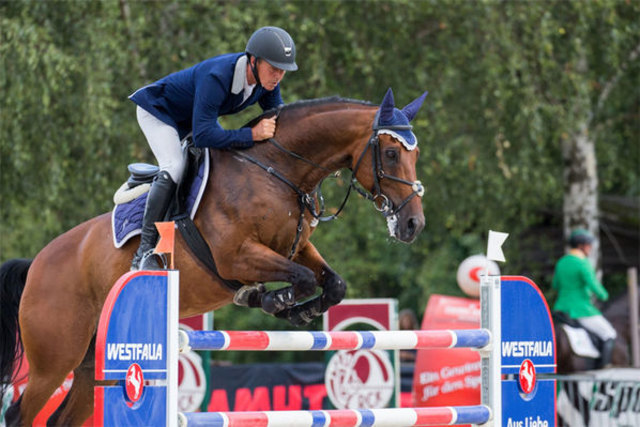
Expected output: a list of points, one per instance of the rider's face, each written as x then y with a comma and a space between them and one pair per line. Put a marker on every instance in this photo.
270, 76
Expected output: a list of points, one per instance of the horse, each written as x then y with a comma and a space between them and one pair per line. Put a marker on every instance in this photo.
617, 312
257, 214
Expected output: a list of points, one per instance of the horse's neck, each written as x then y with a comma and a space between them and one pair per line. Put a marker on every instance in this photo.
331, 139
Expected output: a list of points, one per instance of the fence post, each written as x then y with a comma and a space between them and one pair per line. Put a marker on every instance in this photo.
632, 283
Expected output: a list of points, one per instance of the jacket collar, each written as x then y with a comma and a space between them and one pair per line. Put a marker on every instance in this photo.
239, 75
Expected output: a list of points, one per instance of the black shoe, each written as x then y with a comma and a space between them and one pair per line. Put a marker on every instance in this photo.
606, 354
160, 196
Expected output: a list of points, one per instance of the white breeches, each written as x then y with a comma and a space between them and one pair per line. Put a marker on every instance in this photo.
164, 142
599, 326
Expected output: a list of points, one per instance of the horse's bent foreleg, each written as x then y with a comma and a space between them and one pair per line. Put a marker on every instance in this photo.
333, 289
257, 263
333, 286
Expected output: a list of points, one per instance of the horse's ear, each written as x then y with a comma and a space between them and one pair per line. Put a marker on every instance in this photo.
412, 108
386, 108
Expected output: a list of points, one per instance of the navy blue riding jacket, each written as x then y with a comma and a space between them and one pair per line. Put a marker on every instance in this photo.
194, 98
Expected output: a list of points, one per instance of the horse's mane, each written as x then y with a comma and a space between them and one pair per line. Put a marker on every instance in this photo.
308, 103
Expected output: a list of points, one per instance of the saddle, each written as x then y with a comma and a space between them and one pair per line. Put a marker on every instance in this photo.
188, 192
131, 197
141, 173
584, 343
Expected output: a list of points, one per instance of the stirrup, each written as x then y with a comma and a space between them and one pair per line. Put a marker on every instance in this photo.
149, 261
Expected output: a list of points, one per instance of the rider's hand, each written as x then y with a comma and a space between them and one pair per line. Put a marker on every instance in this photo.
265, 129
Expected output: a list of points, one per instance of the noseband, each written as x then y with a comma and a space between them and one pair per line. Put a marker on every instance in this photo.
307, 201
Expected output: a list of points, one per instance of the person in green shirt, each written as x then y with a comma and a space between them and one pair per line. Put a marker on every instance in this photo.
575, 281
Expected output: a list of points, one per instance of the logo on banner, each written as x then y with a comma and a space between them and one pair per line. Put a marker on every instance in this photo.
527, 349
134, 382
192, 382
527, 376
360, 379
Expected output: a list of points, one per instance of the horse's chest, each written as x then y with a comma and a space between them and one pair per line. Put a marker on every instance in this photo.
279, 230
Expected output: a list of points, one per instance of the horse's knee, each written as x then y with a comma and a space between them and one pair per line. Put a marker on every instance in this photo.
304, 283
335, 289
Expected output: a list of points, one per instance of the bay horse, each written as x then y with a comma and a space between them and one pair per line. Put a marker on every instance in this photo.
256, 229
616, 311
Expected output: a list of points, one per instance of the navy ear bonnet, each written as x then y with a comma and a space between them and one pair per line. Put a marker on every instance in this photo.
391, 116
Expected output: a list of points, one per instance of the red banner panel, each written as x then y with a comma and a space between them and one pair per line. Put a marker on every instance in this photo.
448, 377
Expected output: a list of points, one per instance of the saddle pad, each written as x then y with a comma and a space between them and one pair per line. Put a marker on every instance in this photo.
126, 218
580, 342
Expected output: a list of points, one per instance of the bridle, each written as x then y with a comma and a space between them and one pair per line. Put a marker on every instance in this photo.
377, 196
308, 201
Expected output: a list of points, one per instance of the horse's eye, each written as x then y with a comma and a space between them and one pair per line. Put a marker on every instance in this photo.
391, 154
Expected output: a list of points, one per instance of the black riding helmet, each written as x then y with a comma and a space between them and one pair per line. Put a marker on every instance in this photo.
579, 237
275, 46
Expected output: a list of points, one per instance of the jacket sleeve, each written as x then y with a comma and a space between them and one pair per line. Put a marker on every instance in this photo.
271, 99
207, 132
589, 276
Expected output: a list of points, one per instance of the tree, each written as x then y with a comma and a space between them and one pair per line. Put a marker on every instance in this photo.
519, 91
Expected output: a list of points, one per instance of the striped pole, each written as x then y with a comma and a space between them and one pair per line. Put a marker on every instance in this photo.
389, 417
335, 340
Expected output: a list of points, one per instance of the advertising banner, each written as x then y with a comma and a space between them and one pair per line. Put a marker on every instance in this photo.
447, 377
363, 378
527, 350
268, 387
609, 397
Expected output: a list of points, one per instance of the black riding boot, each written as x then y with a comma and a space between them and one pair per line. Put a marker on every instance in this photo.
606, 353
160, 196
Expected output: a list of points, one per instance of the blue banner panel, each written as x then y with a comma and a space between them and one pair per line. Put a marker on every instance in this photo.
527, 329
534, 410
136, 335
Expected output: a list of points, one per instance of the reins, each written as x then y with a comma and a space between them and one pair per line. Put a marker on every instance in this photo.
307, 201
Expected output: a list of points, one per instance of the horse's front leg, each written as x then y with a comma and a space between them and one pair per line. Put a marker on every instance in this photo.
255, 262
333, 288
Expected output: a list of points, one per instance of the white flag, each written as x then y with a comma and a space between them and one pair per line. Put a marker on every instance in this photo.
494, 247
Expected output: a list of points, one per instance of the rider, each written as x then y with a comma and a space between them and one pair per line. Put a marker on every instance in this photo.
575, 281
191, 101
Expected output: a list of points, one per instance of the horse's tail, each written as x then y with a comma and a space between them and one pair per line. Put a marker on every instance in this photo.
13, 275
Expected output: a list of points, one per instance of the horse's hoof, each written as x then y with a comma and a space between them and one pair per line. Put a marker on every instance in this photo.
293, 316
299, 318
278, 300
246, 295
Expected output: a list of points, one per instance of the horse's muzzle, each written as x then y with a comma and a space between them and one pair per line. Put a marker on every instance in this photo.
409, 228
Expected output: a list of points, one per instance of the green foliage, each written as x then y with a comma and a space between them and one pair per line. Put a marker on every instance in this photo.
507, 81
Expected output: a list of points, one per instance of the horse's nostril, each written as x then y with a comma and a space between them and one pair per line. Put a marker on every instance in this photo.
411, 225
